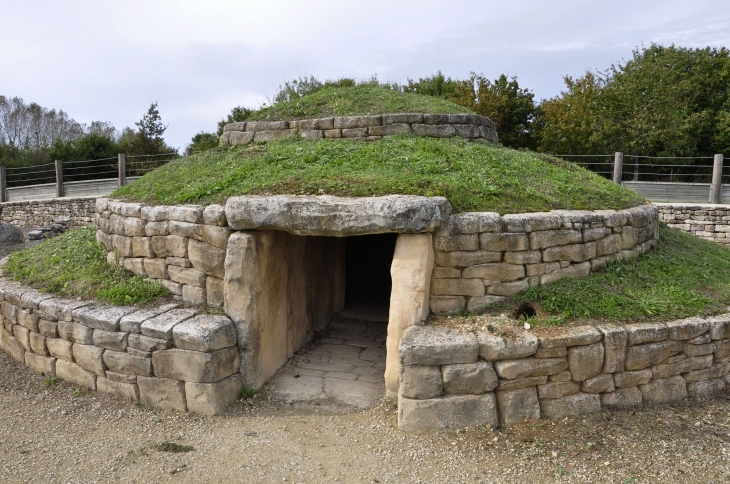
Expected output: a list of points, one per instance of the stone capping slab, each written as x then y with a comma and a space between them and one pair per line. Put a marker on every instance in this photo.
338, 216
90, 348
575, 370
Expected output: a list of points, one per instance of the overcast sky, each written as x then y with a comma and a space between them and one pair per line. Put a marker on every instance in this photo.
107, 60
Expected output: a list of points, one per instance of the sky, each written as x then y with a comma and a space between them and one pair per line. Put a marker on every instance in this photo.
108, 60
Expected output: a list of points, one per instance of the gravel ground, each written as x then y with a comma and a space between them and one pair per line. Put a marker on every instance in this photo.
58, 434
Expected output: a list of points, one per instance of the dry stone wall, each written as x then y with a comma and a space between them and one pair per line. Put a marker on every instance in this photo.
77, 212
365, 128
480, 257
706, 221
452, 379
166, 357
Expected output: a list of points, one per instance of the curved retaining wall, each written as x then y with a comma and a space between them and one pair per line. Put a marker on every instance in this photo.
365, 128
166, 357
452, 379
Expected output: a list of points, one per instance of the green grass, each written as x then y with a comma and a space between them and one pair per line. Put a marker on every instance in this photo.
682, 276
474, 176
74, 265
357, 100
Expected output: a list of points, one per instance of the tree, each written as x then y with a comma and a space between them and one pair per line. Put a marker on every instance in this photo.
151, 123
436, 85
204, 141
148, 138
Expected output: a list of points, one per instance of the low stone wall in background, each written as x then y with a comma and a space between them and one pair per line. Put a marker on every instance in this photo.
706, 221
481, 257
166, 357
453, 379
35, 213
364, 128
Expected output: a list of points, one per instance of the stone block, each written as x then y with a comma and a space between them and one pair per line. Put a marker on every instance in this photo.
195, 366
447, 304
558, 389
12, 346
720, 326
28, 320
683, 364
192, 277
572, 253
170, 246
402, 118
89, 357
75, 374
702, 389
646, 333
75, 332
393, 129
572, 271
466, 258
122, 245
514, 369
131, 322
493, 347
121, 377
699, 340
629, 238
216, 236
718, 370
204, 333
214, 291
722, 348
23, 336
61, 309
650, 354
126, 390
153, 214
172, 287
102, 317
47, 328
59, 348
688, 328
447, 413
427, 345
532, 257
156, 268
128, 364
214, 215
179, 262
553, 238
446, 273
471, 223
156, 229
516, 406
551, 353
452, 243
478, 303
45, 365
160, 326
186, 229
508, 288
333, 133
38, 344
420, 382
595, 234
530, 381
212, 398
434, 131
186, 213
469, 378
146, 343
632, 378
504, 242
116, 341
664, 390
571, 405
162, 393
142, 247
602, 383
614, 344
139, 353
495, 272
585, 362
193, 295
575, 336
135, 265
699, 350
623, 397
457, 287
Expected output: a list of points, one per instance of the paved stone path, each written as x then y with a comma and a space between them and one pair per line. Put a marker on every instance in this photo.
345, 365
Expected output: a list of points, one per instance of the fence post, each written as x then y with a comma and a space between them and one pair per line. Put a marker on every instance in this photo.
188, 151
716, 189
618, 167
3, 185
59, 178
122, 168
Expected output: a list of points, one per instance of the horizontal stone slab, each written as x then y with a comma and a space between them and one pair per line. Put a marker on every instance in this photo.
427, 345
447, 413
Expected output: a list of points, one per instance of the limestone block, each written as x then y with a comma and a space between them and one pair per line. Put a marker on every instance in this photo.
452, 243
421, 382
434, 131
75, 374
121, 377
186, 229
102, 317
216, 236
59, 348
395, 128
457, 287
495, 272
122, 245
186, 213
139, 353
629, 237
504, 242
623, 397
664, 390
699, 350
75, 332
160, 326
130, 323
551, 352
402, 118
192, 277
38, 344
170, 246
571, 405
718, 370
531, 222
195, 366
61, 309
172, 287
558, 389
478, 303
682, 365
650, 354
573, 253
632, 378
193, 295
130, 209
517, 406
428, 345
700, 340
530, 381
89, 357
514, 369
447, 304
127, 390
720, 326
212, 398
214, 291
156, 229
238, 138
595, 234
532, 257
602, 383
23, 336
507, 288
204, 333
553, 238
700, 389
162, 393
153, 214
493, 347
133, 227
562, 376
688, 328
207, 259
45, 365
135, 265
179, 262
447, 413
10, 312
469, 378
466, 258
214, 215
575, 336
446, 273
128, 364
28, 320
722, 348
116, 341
646, 333
156, 268
585, 362
116, 224
333, 133
471, 223
12, 346
614, 344
142, 247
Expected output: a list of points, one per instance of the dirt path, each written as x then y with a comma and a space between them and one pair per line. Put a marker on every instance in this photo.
47, 434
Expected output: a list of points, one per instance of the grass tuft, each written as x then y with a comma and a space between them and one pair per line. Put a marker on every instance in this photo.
74, 265
247, 392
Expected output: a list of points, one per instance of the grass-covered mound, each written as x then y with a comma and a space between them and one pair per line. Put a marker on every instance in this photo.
354, 100
473, 176
682, 276
73, 265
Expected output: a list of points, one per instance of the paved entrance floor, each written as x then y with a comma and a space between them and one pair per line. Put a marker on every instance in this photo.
345, 365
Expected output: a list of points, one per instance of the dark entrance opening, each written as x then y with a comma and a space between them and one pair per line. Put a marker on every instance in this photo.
367, 260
